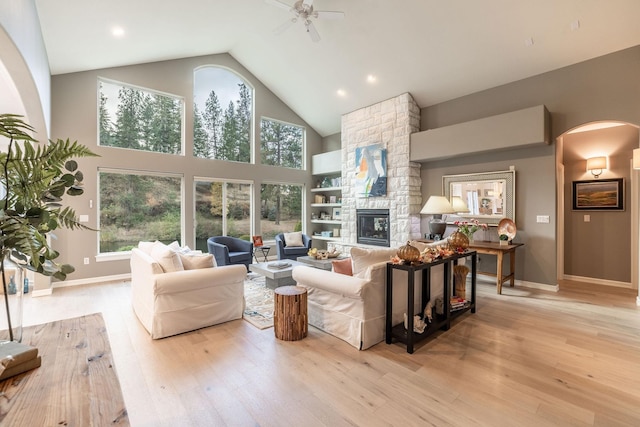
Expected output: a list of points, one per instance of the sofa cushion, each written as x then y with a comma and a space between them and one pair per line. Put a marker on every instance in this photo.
293, 239
146, 247
168, 259
363, 258
192, 261
342, 266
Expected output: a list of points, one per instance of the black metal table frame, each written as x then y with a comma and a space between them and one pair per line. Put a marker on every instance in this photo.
426, 295
265, 251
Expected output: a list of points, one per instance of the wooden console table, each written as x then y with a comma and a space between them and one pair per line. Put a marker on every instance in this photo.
443, 321
494, 248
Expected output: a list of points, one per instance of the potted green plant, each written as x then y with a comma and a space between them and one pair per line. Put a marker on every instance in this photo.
504, 240
34, 179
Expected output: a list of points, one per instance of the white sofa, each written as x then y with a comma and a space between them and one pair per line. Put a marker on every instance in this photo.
170, 297
353, 308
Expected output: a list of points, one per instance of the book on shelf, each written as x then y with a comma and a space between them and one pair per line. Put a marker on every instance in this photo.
279, 265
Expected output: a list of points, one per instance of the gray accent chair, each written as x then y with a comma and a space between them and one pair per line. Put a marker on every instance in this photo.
230, 250
292, 252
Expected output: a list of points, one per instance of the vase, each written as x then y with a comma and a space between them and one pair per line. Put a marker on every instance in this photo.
12, 291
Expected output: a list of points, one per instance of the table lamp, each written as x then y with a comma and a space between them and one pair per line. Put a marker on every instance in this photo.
459, 206
437, 206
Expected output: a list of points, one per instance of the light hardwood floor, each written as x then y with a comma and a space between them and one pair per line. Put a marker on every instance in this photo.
526, 358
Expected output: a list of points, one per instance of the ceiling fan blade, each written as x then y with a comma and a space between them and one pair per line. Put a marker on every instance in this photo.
278, 4
308, 2
313, 33
326, 14
282, 28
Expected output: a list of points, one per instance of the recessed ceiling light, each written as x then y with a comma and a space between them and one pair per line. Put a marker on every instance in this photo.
371, 78
341, 92
117, 31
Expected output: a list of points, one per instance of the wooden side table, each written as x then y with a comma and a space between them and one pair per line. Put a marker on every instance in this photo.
290, 322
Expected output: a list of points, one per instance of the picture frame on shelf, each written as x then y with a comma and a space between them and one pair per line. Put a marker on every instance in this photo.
332, 199
336, 214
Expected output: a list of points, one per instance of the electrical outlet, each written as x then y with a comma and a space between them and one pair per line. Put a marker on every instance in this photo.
86, 260
587, 218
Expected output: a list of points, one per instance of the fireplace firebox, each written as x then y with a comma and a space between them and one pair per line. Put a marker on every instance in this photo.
373, 227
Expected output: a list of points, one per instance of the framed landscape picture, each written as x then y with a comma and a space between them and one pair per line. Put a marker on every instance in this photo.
599, 194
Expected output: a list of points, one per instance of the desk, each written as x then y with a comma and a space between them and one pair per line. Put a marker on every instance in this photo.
494, 248
264, 250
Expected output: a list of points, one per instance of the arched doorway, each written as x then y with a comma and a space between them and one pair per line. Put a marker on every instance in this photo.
595, 245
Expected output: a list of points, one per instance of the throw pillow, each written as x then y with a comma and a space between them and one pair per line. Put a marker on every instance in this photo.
146, 247
293, 239
169, 260
342, 266
195, 262
363, 258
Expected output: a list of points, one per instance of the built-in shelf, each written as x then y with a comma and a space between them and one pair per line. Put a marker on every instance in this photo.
321, 189
327, 239
326, 170
327, 221
326, 205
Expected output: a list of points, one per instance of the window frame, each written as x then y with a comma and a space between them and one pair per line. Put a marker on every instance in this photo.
101, 79
110, 256
303, 148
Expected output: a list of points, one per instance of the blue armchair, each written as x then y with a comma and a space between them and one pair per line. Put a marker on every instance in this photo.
292, 252
230, 250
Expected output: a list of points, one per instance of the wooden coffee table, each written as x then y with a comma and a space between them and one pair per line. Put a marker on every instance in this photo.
275, 277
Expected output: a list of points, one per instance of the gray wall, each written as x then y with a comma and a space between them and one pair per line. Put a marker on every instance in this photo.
74, 98
604, 88
584, 256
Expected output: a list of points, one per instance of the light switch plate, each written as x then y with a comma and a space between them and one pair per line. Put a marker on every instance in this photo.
84, 218
542, 219
587, 218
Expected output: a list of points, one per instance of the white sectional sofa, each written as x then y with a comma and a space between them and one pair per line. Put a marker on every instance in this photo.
352, 308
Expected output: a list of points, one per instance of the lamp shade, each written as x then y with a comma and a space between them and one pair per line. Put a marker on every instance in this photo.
596, 163
437, 205
459, 205
636, 158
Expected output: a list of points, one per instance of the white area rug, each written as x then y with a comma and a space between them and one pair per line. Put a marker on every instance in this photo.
258, 302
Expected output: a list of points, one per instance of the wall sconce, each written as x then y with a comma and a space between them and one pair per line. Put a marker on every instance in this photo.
436, 206
636, 158
596, 165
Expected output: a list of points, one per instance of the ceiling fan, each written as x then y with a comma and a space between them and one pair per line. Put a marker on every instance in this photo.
303, 10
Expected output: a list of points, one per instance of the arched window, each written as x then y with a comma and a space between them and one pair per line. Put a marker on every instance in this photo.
222, 115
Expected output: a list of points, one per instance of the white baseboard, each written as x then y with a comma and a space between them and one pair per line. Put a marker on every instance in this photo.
593, 280
92, 280
521, 283
41, 292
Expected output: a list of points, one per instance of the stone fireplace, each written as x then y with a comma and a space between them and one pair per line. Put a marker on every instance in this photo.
389, 124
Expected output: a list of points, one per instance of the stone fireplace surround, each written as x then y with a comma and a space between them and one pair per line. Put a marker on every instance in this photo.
389, 123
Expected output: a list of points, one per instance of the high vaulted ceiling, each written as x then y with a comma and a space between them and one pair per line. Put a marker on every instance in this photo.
436, 50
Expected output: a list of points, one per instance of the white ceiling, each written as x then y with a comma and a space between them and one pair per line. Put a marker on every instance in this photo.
435, 49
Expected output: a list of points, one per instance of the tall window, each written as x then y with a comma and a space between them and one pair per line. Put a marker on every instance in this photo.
135, 207
134, 118
281, 143
222, 209
280, 209
222, 115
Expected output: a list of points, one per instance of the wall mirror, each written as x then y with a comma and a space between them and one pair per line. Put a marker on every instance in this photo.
489, 196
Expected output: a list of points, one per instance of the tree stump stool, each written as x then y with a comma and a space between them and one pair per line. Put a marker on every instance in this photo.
290, 313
